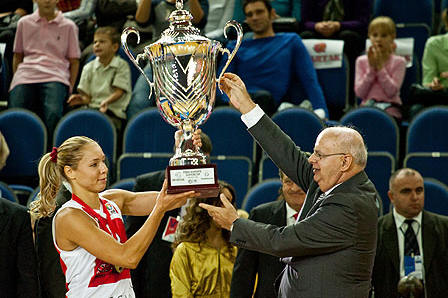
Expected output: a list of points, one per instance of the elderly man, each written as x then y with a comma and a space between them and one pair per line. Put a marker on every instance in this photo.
411, 241
330, 251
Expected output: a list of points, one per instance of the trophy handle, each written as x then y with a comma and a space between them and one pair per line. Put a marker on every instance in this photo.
124, 43
239, 31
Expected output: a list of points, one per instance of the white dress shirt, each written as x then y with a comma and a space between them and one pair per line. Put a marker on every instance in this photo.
401, 227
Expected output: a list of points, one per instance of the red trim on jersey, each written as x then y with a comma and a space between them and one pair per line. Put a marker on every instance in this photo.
105, 273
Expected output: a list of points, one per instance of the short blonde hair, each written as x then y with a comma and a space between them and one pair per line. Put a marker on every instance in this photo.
383, 23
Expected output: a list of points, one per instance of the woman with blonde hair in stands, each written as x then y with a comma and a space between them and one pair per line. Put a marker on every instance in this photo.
202, 263
88, 230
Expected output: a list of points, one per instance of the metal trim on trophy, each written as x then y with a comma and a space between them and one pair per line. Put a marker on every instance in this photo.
184, 83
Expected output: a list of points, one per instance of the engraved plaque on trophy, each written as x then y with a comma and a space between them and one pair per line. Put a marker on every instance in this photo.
184, 83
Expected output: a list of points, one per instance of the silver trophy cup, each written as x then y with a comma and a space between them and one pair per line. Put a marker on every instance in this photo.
184, 83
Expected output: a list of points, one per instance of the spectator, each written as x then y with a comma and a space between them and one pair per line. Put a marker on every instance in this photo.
18, 267
220, 12
151, 278
380, 73
10, 13
261, 63
105, 82
435, 73
282, 8
411, 241
156, 12
346, 20
45, 64
253, 269
203, 260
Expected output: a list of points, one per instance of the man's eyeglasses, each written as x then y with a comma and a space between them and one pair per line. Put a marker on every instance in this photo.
322, 156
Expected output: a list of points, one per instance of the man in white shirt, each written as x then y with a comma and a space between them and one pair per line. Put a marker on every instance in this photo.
411, 241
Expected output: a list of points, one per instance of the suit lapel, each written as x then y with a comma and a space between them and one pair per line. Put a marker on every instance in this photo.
309, 201
390, 239
429, 238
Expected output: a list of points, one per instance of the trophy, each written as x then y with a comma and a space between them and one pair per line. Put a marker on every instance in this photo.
184, 82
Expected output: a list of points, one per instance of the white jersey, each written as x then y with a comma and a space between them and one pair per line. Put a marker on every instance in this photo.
87, 276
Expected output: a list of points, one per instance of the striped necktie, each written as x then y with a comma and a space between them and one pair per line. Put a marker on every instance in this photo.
410, 240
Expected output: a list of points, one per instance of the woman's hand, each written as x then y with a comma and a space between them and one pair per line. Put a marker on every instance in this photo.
166, 202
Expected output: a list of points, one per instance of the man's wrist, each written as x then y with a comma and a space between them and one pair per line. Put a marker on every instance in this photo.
253, 116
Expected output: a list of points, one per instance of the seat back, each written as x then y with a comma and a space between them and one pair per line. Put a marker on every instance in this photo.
7, 193
236, 170
426, 132
134, 164
126, 184
26, 136
380, 131
436, 196
90, 123
429, 164
406, 11
301, 125
267, 169
335, 86
228, 133
419, 31
148, 132
380, 166
263, 192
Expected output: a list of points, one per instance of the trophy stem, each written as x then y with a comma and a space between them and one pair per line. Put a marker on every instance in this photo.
187, 153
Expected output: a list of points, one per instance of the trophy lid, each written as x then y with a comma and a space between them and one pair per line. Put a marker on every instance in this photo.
180, 28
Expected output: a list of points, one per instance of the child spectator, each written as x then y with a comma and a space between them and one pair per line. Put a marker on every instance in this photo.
105, 82
45, 62
380, 73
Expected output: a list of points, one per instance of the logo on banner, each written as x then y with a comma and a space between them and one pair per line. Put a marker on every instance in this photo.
325, 53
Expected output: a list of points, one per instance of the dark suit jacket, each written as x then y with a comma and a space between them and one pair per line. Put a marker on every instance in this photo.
18, 268
333, 246
386, 272
51, 277
151, 277
248, 263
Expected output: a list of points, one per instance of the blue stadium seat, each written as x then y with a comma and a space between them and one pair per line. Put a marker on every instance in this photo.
7, 193
134, 164
419, 31
263, 192
228, 133
126, 184
380, 166
406, 11
236, 170
148, 132
429, 164
426, 132
413, 75
335, 86
268, 169
301, 125
90, 123
436, 196
380, 131
26, 136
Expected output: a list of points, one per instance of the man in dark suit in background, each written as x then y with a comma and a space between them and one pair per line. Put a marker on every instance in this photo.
248, 264
18, 268
330, 251
151, 277
428, 239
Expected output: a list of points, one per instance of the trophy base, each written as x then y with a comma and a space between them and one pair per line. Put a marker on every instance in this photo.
203, 179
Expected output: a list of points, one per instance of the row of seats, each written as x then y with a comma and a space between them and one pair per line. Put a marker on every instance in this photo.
148, 143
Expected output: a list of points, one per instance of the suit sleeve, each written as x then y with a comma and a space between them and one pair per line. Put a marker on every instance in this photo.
245, 270
27, 281
283, 152
330, 229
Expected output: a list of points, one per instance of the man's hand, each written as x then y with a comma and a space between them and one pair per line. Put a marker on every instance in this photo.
223, 216
235, 89
327, 28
